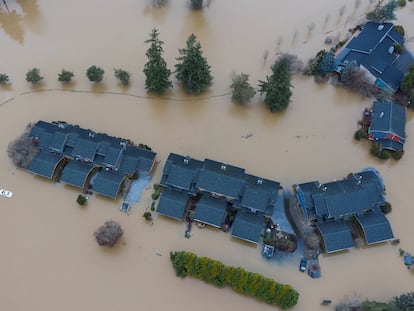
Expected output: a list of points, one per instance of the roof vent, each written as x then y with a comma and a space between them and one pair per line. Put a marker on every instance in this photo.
325, 188
223, 167
92, 134
259, 181
380, 27
381, 114
391, 49
185, 161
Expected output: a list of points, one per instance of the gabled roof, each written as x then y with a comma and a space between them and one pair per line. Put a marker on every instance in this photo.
373, 48
388, 117
220, 178
172, 203
58, 141
44, 164
248, 226
146, 157
336, 236
180, 171
107, 183
259, 194
85, 149
76, 173
376, 227
113, 156
210, 211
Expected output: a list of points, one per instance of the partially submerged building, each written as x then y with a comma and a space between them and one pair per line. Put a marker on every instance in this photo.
337, 208
219, 195
377, 50
387, 125
86, 159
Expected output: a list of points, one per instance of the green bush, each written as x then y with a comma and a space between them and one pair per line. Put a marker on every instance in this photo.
359, 134
147, 216
33, 76
81, 200
378, 152
95, 74
157, 192
399, 28
397, 155
386, 208
3, 78
242, 91
122, 75
398, 48
65, 76
402, 3
242, 281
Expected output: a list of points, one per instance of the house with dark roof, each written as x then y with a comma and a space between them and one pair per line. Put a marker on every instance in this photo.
387, 126
373, 49
330, 206
222, 196
85, 152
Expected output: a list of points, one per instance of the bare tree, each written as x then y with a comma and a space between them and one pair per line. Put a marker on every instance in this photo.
158, 3
295, 35
279, 42
342, 11
108, 234
295, 64
311, 27
357, 4
265, 56
326, 20
22, 150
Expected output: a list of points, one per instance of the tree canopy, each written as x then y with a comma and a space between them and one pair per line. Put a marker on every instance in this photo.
383, 11
156, 72
277, 87
407, 85
242, 91
192, 69
95, 74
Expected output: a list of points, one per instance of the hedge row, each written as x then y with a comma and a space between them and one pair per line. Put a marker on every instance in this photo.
240, 280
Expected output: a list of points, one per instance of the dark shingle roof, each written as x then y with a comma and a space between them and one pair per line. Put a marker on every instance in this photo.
369, 37
259, 194
44, 164
113, 156
221, 178
76, 173
58, 141
107, 183
84, 149
388, 117
376, 227
172, 203
210, 211
336, 236
248, 226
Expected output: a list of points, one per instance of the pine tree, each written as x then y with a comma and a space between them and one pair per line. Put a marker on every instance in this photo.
277, 88
156, 72
193, 70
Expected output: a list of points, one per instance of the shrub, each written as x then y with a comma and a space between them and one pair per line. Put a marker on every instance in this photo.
95, 74
378, 152
158, 3
33, 76
153, 206
147, 216
3, 78
81, 200
399, 29
312, 68
398, 48
65, 76
22, 150
402, 3
157, 192
397, 155
242, 91
359, 134
383, 12
196, 4
386, 208
242, 281
108, 234
122, 75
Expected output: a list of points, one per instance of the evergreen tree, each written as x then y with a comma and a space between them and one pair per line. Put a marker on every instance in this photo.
156, 72
3, 78
383, 12
327, 64
65, 76
193, 70
407, 84
95, 74
277, 88
122, 75
242, 91
33, 76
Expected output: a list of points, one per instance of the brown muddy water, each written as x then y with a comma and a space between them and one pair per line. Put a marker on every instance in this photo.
49, 259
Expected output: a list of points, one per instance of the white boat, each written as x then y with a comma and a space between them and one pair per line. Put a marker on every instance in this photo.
6, 193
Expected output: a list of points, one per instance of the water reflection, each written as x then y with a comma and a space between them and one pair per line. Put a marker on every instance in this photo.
13, 14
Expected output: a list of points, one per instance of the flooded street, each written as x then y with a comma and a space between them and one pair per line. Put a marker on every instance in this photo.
50, 259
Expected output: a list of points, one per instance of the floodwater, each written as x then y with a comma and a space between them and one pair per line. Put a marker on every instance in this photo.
49, 259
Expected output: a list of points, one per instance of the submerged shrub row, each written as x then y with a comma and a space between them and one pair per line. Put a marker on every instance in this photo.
240, 280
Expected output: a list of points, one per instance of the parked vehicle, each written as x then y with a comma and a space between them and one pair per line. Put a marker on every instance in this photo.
6, 193
303, 264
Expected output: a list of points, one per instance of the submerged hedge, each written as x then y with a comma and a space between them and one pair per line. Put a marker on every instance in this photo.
240, 280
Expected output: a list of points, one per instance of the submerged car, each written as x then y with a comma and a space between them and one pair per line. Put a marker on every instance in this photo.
303, 264
6, 193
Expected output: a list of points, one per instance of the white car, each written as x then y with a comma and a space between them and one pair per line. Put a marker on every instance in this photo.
6, 193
